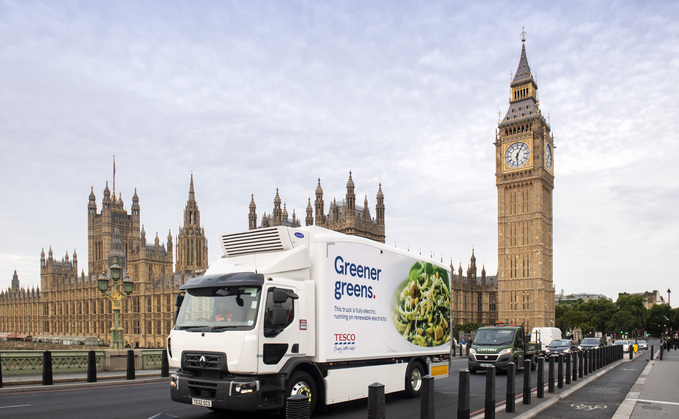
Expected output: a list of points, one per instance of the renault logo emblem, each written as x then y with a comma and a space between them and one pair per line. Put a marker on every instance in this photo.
201, 361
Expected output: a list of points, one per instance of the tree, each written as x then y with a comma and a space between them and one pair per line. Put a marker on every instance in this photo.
659, 319
634, 304
624, 322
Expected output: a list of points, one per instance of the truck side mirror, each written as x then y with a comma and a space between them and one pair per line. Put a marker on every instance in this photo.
280, 295
279, 316
179, 299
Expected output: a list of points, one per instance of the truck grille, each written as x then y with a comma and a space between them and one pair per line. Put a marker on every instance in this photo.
204, 361
202, 389
255, 241
486, 358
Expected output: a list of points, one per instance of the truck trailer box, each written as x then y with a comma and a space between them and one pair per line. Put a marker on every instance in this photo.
340, 311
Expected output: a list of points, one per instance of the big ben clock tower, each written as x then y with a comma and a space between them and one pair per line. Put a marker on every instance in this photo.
524, 174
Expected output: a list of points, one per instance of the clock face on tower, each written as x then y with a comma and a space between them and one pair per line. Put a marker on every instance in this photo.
517, 154
548, 156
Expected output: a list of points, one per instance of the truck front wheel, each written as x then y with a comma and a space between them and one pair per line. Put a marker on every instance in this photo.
414, 379
302, 383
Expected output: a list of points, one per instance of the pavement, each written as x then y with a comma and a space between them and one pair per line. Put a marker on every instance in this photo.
654, 394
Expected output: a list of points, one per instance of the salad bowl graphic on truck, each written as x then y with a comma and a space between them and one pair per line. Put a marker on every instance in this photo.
422, 309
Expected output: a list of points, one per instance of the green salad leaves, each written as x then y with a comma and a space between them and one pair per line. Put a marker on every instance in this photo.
422, 311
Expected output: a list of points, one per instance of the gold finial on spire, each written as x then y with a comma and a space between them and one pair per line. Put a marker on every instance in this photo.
523, 35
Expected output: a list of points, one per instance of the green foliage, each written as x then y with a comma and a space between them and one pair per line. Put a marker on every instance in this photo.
627, 315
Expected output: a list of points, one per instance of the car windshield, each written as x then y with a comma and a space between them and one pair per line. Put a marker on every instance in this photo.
494, 337
213, 309
620, 342
590, 341
560, 344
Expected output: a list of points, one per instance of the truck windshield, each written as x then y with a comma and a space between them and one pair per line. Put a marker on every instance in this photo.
213, 309
495, 337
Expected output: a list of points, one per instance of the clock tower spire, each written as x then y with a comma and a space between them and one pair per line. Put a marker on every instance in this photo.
524, 176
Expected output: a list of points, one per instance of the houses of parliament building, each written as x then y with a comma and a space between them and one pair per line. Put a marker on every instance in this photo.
69, 303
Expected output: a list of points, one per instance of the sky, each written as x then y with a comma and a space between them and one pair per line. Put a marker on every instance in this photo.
253, 96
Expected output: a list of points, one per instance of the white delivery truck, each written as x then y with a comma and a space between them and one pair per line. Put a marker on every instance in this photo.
545, 335
308, 311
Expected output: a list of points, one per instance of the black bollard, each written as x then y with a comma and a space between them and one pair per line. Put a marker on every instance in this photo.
541, 377
91, 367
376, 402
0, 371
463, 396
550, 384
297, 407
575, 365
661, 351
47, 368
559, 374
631, 351
164, 365
651, 360
600, 358
581, 363
130, 364
511, 387
605, 355
427, 398
489, 412
568, 368
526, 381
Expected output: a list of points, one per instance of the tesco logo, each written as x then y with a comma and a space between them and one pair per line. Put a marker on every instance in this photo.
345, 337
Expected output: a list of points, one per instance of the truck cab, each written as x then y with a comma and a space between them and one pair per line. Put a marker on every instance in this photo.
497, 346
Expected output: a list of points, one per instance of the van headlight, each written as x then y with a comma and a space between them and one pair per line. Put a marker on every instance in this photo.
472, 351
505, 351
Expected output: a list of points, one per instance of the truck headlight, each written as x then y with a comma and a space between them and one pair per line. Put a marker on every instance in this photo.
472, 351
505, 351
244, 387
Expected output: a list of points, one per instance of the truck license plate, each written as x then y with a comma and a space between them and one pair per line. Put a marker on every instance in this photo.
486, 365
201, 402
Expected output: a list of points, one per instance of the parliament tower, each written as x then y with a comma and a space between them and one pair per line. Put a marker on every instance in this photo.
524, 156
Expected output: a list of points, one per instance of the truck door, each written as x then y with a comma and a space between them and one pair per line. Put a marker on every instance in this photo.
519, 348
280, 339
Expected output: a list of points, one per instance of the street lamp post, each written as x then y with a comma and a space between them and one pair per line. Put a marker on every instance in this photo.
116, 296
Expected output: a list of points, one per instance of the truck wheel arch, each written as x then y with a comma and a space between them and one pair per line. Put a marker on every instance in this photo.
300, 364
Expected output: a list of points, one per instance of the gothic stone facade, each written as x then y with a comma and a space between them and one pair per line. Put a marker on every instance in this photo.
69, 303
345, 217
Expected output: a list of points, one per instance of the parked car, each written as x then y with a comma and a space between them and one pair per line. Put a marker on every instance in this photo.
563, 346
642, 344
589, 343
624, 343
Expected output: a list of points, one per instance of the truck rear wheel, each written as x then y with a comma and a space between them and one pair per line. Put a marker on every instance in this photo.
414, 376
302, 383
